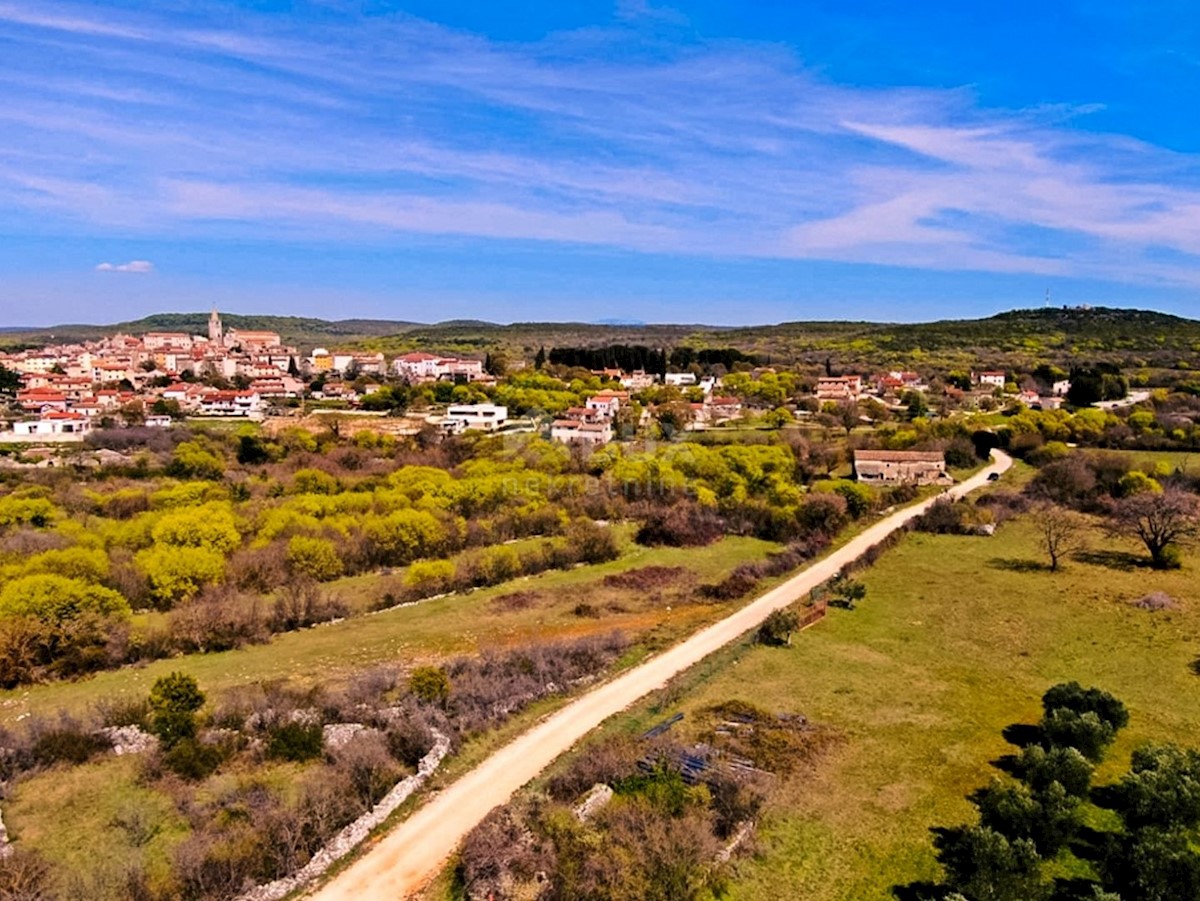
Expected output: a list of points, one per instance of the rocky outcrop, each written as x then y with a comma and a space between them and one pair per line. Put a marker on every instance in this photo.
128, 740
351, 836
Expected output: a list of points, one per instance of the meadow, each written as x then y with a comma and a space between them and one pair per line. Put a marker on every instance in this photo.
957, 639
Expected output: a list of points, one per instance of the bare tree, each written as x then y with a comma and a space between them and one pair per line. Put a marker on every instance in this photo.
1060, 532
1159, 521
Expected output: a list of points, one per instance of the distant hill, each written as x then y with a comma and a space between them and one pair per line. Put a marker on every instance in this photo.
1053, 333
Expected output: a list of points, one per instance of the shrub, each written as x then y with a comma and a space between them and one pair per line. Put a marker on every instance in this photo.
314, 481
367, 763
192, 460
823, 513
55, 600
210, 526
174, 700
647, 578
430, 684
124, 711
25, 876
778, 627
64, 740
260, 569
516, 600
295, 740
192, 759
409, 738
429, 577
739, 583
215, 621
302, 604
592, 543
176, 573
605, 762
683, 524
313, 558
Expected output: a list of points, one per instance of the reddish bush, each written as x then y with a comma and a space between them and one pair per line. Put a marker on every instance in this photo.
683, 524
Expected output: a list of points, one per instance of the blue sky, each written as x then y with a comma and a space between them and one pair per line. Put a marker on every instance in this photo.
702, 162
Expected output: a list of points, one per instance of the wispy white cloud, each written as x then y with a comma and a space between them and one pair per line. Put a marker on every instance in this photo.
376, 125
136, 267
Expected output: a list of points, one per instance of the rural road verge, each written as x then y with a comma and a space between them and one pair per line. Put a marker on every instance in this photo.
411, 854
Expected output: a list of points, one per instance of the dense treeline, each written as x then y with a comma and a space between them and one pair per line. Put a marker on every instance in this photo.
612, 356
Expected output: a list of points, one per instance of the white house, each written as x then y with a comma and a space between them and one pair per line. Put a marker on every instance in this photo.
422, 367
638, 380
55, 425
232, 403
607, 403
572, 431
992, 378
1061, 388
487, 417
839, 388
680, 379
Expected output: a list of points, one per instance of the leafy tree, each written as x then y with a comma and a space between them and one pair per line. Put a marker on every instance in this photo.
314, 558
179, 572
174, 700
1074, 697
985, 866
211, 527
778, 627
10, 381
1087, 733
1161, 522
1040, 768
1048, 818
1162, 788
430, 684
252, 450
1153, 864
846, 592
404, 536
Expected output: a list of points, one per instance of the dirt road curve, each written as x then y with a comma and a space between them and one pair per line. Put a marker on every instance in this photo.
405, 859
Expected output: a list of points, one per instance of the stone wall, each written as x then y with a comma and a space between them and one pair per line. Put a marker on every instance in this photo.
353, 835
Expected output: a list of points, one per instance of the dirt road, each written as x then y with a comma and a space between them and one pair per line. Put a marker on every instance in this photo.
405, 859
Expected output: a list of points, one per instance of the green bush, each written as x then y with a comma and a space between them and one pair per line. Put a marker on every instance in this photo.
313, 558
430, 684
174, 700
192, 759
295, 741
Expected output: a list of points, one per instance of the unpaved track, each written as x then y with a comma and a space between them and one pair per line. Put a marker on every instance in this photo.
411, 854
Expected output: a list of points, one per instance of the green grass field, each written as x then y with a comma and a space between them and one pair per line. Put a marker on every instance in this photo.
957, 639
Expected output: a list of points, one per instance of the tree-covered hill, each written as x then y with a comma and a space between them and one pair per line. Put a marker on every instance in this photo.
1052, 333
